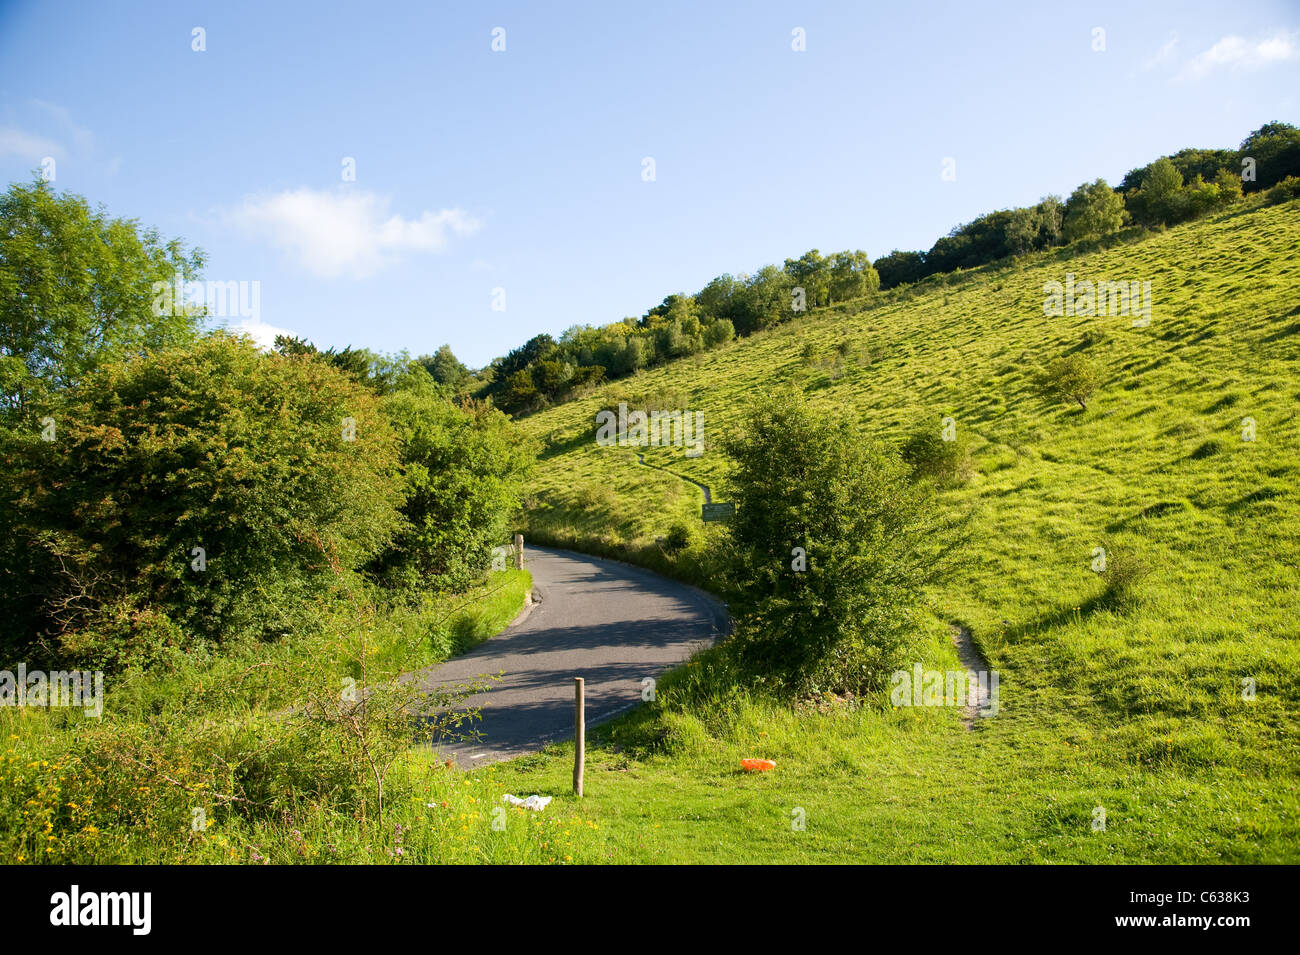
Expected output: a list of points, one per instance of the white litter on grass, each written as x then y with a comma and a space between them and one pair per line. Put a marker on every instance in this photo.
533, 802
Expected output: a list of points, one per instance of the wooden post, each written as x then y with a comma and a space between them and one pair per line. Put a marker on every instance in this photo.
579, 735
519, 552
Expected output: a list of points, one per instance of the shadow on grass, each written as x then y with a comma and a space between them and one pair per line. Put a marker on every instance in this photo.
1110, 600
555, 447
1151, 512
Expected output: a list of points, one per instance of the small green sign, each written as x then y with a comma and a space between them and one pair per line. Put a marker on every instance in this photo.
719, 512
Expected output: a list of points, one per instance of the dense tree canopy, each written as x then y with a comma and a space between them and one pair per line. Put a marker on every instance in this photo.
1275, 147
198, 492
1093, 210
78, 288
463, 473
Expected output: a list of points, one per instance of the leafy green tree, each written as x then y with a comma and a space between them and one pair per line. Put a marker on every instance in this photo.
537, 348
1162, 184
463, 470
851, 276
1022, 231
812, 273
380, 373
1229, 184
966, 246
1198, 198
718, 299
900, 268
192, 495
719, 332
805, 480
1275, 147
677, 307
447, 370
1051, 221
636, 353
1093, 210
1190, 163
77, 289
765, 300
518, 393
550, 377
293, 346
672, 340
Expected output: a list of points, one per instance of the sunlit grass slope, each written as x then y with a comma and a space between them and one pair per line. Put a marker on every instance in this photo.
1139, 709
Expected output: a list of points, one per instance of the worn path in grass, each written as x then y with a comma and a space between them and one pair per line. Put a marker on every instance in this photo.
608, 622
708, 494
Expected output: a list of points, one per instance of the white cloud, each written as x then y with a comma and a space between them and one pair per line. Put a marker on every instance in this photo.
28, 146
259, 331
346, 232
1235, 53
83, 138
1162, 55
67, 141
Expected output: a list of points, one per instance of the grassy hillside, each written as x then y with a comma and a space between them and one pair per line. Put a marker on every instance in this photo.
1136, 707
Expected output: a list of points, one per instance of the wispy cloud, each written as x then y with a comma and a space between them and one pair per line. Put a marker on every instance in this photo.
346, 232
83, 140
28, 146
49, 129
1237, 53
1162, 56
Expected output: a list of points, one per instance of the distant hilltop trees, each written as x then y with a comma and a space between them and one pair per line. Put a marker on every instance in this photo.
1172, 189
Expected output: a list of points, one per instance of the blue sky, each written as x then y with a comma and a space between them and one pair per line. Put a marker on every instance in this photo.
522, 169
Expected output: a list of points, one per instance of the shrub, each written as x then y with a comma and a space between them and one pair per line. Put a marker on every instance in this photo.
1125, 570
1284, 191
216, 446
1096, 337
930, 456
1069, 378
463, 471
719, 332
679, 538
804, 478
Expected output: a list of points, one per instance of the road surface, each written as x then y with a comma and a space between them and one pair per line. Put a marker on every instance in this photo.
608, 622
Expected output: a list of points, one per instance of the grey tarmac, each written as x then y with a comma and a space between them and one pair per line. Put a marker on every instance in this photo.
608, 622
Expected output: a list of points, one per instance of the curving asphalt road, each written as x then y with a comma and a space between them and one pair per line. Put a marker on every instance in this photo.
608, 622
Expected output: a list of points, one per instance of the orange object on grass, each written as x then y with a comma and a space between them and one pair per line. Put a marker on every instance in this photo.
757, 765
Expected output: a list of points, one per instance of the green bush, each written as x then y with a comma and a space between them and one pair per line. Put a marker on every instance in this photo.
832, 545
463, 470
1125, 571
217, 446
1072, 378
1284, 191
931, 456
680, 536
1096, 337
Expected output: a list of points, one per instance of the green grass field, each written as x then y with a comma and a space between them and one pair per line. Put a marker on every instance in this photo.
1137, 708
1134, 709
